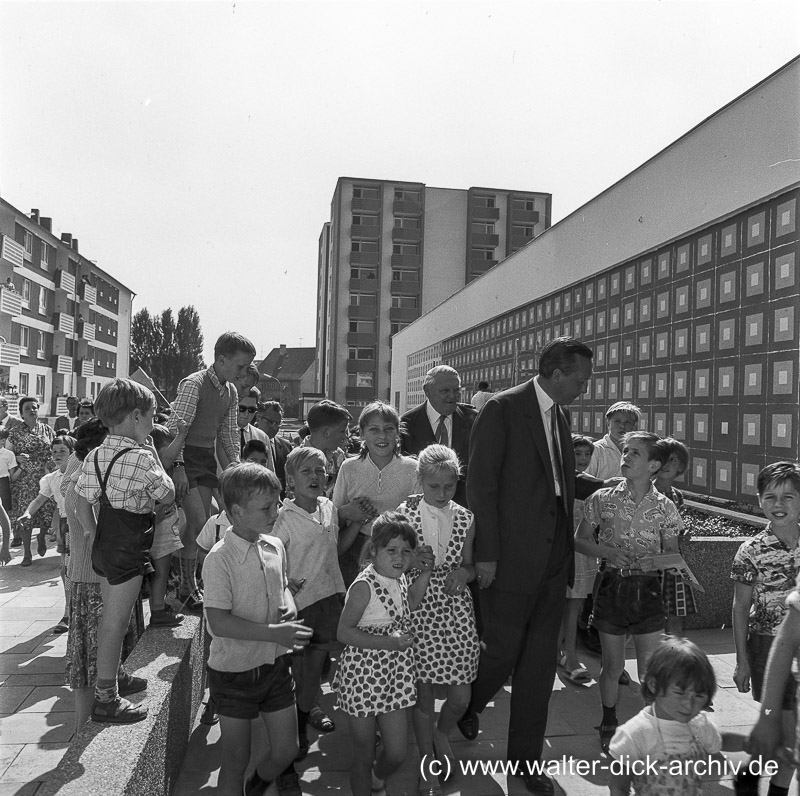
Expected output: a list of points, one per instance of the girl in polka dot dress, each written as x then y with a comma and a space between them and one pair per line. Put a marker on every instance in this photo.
375, 677
446, 648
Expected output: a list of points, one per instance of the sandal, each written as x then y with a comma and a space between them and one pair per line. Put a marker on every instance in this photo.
118, 711
62, 626
26, 561
606, 734
579, 675
319, 721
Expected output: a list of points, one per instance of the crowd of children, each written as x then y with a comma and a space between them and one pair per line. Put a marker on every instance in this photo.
368, 559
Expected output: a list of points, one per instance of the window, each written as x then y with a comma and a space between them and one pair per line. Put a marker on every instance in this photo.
365, 221
40, 353
522, 230
405, 248
483, 201
24, 383
396, 327
357, 272
363, 246
405, 275
528, 205
44, 263
40, 387
404, 222
363, 300
24, 340
26, 292
401, 195
362, 327
361, 379
360, 353
407, 302
42, 301
361, 192
28, 244
481, 228
482, 254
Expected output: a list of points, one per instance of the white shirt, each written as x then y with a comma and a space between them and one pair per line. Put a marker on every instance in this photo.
251, 432
546, 404
433, 419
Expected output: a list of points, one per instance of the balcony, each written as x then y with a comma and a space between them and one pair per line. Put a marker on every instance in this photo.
359, 231
404, 287
481, 213
407, 234
364, 339
360, 365
88, 293
363, 285
365, 258
9, 354
403, 314
406, 207
87, 368
406, 260
87, 330
65, 323
484, 239
10, 301
59, 344
359, 393
65, 281
365, 205
12, 251
479, 265
63, 365
524, 216
518, 241
365, 311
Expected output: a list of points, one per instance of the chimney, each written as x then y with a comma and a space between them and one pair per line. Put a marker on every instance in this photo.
47, 223
35, 214
283, 350
75, 245
66, 237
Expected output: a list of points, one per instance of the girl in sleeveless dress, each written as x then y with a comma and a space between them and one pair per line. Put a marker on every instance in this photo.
375, 677
446, 648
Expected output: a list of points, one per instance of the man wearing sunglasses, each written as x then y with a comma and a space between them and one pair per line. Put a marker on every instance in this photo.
248, 404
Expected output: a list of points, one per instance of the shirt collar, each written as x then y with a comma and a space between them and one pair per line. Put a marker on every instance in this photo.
242, 547
212, 374
622, 487
433, 415
545, 401
120, 441
290, 505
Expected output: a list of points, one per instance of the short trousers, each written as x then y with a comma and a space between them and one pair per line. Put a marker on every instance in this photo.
243, 695
121, 547
758, 647
631, 604
323, 618
167, 535
200, 466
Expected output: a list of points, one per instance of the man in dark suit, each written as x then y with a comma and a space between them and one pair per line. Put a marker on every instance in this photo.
441, 418
521, 488
270, 417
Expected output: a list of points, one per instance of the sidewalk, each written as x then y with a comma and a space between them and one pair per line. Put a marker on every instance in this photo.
36, 719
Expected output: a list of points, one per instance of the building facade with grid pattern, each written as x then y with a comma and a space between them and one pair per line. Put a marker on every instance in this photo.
691, 307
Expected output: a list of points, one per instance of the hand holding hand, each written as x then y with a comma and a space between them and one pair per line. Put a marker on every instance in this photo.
426, 560
296, 584
288, 612
403, 641
182, 427
181, 483
456, 581
485, 573
294, 635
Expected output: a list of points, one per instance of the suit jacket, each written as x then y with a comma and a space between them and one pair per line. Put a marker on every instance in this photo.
511, 487
416, 434
282, 449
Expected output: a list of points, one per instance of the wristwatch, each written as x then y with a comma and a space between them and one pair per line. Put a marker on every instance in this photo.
177, 464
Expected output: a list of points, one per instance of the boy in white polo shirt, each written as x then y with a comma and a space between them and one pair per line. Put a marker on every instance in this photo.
251, 617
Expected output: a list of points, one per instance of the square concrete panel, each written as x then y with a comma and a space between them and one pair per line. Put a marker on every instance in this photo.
728, 240
751, 429
782, 431
726, 290
754, 279
702, 295
702, 383
664, 266
756, 229
682, 300
683, 258
702, 338
783, 325
646, 272
783, 381
704, 249
679, 383
749, 478
752, 382
660, 423
726, 380
699, 470
723, 474
785, 218
726, 334
700, 427
784, 274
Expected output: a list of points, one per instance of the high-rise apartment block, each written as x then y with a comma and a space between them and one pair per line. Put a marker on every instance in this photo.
393, 251
64, 322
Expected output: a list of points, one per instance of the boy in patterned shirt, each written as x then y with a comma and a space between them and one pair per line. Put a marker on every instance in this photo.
764, 570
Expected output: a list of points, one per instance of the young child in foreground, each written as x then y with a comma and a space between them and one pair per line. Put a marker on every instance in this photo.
764, 571
251, 616
673, 729
376, 627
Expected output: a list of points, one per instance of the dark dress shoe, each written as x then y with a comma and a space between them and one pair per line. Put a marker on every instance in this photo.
469, 724
540, 784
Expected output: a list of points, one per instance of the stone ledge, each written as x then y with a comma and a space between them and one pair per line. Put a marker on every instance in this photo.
146, 757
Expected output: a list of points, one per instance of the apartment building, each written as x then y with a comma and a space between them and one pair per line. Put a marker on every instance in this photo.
395, 250
64, 322
691, 307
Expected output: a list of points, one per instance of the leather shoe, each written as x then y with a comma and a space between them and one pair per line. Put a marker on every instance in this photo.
469, 724
539, 784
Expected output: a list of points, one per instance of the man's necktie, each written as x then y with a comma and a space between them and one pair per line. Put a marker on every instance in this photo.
558, 466
241, 441
441, 432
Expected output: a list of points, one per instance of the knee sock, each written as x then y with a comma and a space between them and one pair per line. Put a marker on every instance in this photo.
610, 715
188, 577
106, 690
302, 721
777, 790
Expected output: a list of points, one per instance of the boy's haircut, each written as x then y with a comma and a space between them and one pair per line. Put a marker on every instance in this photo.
777, 474
162, 436
631, 410
436, 458
253, 446
119, 398
26, 399
483, 385
240, 483
63, 437
266, 406
657, 450
231, 343
303, 432
582, 441
680, 450
86, 404
326, 414
388, 526
297, 456
252, 374
680, 662
88, 436
562, 354
385, 412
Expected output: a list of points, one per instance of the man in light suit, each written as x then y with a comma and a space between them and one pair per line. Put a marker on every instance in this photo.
441, 418
521, 488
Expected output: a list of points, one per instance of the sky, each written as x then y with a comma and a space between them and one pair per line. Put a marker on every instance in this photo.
193, 147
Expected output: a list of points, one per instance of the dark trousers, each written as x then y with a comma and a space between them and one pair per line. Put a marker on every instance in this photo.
521, 633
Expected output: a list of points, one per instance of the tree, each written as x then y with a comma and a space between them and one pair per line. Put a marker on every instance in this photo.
167, 350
